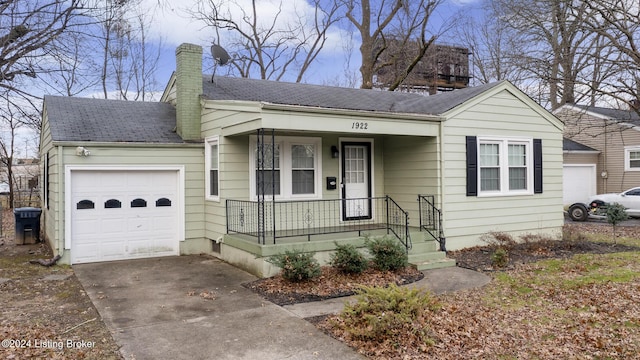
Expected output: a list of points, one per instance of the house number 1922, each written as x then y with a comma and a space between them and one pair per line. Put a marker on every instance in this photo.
359, 125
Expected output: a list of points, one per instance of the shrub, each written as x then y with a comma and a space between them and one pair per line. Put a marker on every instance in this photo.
388, 254
498, 239
616, 213
297, 265
348, 259
385, 314
500, 257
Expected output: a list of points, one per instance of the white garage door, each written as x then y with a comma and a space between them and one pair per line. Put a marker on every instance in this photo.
118, 215
579, 183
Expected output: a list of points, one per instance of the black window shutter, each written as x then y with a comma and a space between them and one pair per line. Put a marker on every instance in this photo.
472, 166
537, 166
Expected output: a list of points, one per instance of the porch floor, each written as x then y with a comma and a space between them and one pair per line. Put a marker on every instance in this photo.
312, 234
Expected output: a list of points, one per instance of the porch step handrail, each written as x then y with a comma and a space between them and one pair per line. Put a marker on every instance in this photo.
431, 219
398, 223
272, 220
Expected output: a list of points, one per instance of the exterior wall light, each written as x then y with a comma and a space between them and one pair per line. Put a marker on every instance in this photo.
334, 152
82, 151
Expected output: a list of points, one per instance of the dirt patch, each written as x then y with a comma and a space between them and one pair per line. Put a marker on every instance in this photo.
45, 311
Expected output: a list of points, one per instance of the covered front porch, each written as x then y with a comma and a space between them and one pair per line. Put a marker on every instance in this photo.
264, 229
320, 177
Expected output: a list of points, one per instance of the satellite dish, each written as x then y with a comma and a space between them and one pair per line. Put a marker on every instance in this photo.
219, 54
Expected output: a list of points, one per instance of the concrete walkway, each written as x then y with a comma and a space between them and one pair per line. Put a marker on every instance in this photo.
437, 281
194, 307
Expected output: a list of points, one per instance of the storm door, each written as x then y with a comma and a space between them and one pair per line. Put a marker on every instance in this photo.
356, 180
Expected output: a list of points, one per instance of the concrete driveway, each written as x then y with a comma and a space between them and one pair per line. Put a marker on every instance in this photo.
194, 307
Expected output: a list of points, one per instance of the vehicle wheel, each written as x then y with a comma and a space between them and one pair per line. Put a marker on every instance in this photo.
578, 212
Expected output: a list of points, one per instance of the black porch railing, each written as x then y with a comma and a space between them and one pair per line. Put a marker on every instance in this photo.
431, 219
268, 221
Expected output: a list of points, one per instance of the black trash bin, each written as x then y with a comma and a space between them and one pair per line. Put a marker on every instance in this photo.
27, 225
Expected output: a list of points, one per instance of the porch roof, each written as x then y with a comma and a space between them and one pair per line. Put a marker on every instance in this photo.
332, 97
303, 107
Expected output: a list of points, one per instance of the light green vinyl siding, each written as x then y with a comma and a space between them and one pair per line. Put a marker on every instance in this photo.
189, 157
411, 168
49, 218
467, 218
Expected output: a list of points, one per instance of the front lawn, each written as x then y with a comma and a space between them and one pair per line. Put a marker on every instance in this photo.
585, 306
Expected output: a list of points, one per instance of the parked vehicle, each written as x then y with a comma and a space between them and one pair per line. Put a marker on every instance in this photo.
597, 205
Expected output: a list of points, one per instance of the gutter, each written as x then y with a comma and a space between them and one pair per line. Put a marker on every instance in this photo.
65, 143
257, 106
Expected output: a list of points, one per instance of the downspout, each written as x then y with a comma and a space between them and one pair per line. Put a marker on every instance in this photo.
441, 177
606, 154
60, 194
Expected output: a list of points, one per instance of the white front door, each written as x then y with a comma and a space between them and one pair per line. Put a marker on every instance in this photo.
356, 180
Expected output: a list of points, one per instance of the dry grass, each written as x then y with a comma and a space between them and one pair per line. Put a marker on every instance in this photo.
45, 309
586, 306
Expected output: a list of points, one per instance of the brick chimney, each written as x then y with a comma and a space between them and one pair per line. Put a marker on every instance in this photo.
188, 91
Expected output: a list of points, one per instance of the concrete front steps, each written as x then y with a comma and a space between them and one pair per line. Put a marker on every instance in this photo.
425, 253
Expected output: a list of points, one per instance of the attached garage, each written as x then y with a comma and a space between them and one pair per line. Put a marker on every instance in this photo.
118, 214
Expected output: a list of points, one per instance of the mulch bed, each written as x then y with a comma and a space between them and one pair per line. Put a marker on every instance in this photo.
479, 258
330, 284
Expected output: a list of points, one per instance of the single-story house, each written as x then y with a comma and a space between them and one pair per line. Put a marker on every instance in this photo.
611, 146
244, 169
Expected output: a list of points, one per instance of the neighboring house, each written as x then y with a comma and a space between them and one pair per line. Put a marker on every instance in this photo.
579, 172
119, 183
614, 135
25, 173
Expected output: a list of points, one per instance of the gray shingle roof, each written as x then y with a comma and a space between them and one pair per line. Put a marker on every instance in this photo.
99, 120
284, 93
613, 114
85, 119
570, 145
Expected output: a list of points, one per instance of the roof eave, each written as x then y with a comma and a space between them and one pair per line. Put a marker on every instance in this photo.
70, 143
262, 105
581, 152
349, 112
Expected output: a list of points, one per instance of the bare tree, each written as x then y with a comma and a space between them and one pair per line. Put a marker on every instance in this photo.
29, 34
385, 24
12, 120
131, 59
127, 64
551, 47
269, 45
492, 47
618, 22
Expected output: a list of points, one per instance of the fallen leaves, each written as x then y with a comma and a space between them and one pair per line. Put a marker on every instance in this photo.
331, 283
46, 308
207, 295
580, 307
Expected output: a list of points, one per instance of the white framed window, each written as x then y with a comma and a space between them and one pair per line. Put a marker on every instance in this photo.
505, 166
212, 171
632, 158
291, 168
